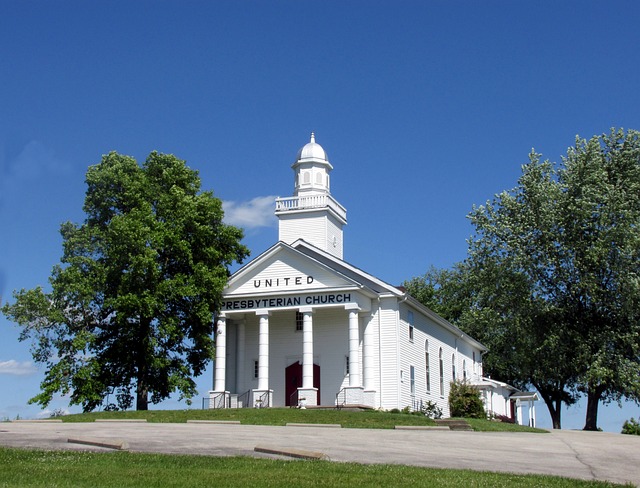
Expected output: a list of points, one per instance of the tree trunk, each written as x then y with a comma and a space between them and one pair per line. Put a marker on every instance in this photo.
142, 396
142, 386
593, 400
554, 405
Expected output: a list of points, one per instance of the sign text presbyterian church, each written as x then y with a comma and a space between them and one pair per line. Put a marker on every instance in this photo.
287, 301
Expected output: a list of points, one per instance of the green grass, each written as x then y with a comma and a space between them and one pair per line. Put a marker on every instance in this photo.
371, 419
59, 469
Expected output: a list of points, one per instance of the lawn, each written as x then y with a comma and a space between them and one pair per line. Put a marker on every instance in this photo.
60, 469
370, 419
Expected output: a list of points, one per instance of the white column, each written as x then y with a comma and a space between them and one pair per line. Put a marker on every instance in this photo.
307, 349
354, 357
532, 414
263, 351
240, 358
367, 353
221, 355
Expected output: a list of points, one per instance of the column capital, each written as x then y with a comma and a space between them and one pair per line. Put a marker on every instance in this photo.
305, 310
352, 307
263, 312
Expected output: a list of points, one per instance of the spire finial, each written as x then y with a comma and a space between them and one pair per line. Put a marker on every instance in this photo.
313, 137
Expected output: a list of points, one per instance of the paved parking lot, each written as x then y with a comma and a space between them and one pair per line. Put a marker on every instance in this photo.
576, 454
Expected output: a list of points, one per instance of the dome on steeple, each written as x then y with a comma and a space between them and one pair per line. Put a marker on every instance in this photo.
312, 150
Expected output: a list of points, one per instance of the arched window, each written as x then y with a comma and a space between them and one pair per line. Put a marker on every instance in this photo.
318, 178
441, 373
453, 366
426, 362
307, 177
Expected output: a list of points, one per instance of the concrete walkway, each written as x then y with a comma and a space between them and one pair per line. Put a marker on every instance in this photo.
575, 454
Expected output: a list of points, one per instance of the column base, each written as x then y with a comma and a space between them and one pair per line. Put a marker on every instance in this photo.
307, 397
219, 399
354, 395
369, 398
261, 398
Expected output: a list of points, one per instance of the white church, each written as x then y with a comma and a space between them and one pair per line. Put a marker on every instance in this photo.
301, 326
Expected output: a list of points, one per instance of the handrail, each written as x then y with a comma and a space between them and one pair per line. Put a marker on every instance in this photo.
244, 399
218, 400
293, 399
264, 400
339, 405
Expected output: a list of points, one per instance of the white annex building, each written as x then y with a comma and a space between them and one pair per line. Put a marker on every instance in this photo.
299, 325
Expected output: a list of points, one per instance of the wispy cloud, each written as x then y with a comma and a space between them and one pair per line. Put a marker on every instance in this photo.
34, 160
258, 212
17, 368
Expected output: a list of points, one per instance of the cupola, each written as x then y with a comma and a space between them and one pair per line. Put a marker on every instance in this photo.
312, 213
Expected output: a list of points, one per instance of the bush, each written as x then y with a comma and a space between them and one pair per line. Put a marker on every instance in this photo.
631, 426
465, 401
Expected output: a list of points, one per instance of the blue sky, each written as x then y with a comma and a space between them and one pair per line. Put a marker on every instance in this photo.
425, 109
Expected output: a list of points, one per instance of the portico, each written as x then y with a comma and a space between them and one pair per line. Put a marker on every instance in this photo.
312, 335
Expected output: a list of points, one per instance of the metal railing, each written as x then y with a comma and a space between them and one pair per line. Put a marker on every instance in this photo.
244, 400
263, 401
219, 400
341, 398
293, 399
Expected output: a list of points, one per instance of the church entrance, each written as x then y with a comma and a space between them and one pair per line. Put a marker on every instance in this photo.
293, 381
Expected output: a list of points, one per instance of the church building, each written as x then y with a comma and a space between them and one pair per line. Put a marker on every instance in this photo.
299, 326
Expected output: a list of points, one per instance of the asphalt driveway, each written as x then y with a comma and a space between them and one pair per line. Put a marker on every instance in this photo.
575, 454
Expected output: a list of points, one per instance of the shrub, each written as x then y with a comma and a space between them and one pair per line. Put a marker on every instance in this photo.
465, 401
431, 410
631, 426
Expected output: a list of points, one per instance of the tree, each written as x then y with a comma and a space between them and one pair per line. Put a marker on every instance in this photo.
570, 235
551, 283
131, 304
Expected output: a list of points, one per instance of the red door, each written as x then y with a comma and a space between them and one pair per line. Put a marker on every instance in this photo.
293, 381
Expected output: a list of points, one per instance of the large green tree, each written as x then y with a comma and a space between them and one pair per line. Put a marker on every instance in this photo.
130, 311
551, 283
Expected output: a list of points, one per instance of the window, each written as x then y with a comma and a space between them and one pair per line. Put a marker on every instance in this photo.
441, 373
453, 366
346, 368
255, 369
412, 380
426, 361
464, 370
299, 321
410, 320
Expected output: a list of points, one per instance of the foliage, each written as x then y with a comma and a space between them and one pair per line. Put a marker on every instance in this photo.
631, 426
465, 401
132, 302
431, 410
551, 283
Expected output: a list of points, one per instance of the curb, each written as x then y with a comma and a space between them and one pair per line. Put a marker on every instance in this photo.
128, 421
294, 453
35, 421
421, 427
228, 422
114, 444
330, 426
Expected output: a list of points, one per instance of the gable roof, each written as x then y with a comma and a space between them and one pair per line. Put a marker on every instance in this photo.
344, 275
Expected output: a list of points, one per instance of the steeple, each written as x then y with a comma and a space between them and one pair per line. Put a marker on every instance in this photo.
312, 213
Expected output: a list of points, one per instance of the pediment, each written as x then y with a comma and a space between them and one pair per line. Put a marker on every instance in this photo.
283, 269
